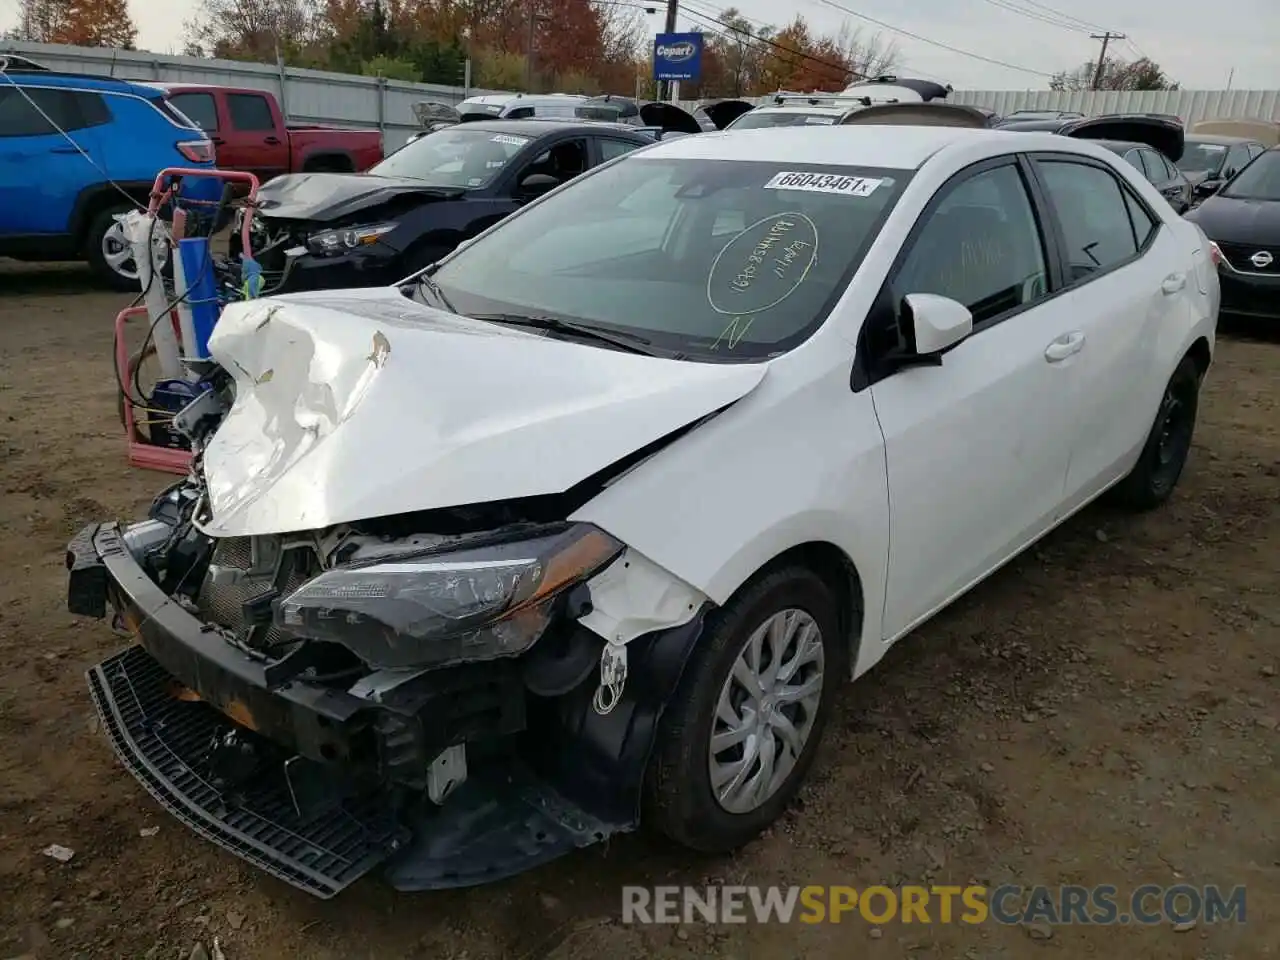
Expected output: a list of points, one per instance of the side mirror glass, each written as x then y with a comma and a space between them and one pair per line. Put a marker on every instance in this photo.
536, 184
936, 322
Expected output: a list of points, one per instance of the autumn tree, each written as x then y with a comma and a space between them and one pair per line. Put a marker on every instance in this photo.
256, 30
81, 23
1116, 74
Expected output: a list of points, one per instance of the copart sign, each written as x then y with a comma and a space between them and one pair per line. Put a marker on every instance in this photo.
677, 56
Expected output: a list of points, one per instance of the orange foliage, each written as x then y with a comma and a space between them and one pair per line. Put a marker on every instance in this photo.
81, 23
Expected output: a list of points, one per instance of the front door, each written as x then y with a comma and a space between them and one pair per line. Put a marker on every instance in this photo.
976, 448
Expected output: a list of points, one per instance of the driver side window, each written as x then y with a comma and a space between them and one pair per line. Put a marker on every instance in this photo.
980, 246
564, 161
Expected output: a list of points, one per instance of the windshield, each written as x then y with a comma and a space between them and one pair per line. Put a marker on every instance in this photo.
1201, 157
756, 119
1260, 180
704, 259
458, 156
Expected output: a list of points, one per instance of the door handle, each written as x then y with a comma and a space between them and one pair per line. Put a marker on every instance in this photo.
217, 141
1065, 346
1173, 283
273, 141
71, 149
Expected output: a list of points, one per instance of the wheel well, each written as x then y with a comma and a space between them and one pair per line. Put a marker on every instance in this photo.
95, 205
1200, 355
837, 571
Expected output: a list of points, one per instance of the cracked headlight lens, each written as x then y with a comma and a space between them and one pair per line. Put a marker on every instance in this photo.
484, 600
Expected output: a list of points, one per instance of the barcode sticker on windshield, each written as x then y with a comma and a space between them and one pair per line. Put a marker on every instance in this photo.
509, 140
823, 183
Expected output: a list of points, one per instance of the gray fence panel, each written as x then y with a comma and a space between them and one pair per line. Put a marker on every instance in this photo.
306, 96
315, 96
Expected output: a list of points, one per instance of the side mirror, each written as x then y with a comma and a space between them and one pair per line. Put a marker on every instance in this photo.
1208, 187
936, 322
536, 184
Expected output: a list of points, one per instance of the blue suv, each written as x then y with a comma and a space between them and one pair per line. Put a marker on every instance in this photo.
76, 151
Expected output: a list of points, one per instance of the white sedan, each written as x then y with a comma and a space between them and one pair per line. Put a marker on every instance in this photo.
686, 443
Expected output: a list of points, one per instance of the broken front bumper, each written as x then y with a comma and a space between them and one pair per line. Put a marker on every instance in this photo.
173, 706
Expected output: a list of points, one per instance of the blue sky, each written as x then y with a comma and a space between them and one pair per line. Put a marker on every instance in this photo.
1198, 44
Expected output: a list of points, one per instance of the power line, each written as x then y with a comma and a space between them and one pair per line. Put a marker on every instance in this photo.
760, 26
1038, 17
933, 43
1065, 16
842, 69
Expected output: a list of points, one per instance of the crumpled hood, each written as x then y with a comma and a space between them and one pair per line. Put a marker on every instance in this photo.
361, 403
330, 196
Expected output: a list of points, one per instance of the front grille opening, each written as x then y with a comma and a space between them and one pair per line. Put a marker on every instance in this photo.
232, 586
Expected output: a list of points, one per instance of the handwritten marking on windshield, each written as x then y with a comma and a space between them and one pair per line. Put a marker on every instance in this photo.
758, 268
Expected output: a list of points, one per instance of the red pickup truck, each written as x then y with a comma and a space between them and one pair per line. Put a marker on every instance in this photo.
249, 133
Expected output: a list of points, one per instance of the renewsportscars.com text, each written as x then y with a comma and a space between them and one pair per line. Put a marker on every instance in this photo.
1007, 904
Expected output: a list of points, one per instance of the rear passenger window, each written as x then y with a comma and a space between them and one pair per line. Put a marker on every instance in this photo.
520, 113
250, 112
40, 111
980, 246
1144, 225
199, 108
1094, 213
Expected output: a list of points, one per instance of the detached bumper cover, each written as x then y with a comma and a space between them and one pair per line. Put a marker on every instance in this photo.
169, 704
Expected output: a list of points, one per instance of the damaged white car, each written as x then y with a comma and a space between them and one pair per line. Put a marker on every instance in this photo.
592, 520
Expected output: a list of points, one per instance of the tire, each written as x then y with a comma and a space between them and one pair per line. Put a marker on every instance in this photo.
680, 800
1159, 466
103, 233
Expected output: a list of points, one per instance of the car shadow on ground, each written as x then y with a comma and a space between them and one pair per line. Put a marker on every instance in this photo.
21, 279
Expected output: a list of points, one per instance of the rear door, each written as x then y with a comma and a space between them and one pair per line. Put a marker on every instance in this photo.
1124, 276
42, 172
253, 136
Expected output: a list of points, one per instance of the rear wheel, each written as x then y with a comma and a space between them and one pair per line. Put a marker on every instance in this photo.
741, 731
108, 252
1160, 464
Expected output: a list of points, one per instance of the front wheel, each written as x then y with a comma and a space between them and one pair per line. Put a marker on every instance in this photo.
1159, 466
742, 729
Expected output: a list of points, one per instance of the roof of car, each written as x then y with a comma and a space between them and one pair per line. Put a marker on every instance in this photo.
83, 81
542, 126
802, 106
1121, 146
907, 149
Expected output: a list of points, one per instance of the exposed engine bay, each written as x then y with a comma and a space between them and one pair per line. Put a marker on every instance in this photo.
419, 690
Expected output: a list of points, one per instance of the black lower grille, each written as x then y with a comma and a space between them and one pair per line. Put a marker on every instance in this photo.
167, 743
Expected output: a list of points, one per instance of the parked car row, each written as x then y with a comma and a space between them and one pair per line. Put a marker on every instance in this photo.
584, 526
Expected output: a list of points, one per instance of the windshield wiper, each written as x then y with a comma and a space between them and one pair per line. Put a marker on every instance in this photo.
631, 342
434, 288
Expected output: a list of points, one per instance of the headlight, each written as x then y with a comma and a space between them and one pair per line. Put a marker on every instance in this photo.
487, 600
348, 238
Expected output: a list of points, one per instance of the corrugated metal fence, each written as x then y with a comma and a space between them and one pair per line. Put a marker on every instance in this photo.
314, 96
1190, 105
306, 96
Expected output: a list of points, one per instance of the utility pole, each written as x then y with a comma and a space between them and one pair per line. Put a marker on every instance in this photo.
529, 51
1106, 38
664, 91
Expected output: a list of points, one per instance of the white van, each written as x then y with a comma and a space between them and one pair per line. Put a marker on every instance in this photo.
519, 106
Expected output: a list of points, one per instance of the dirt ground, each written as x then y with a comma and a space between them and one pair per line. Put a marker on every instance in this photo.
1102, 711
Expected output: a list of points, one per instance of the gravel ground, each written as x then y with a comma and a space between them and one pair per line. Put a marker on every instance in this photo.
1104, 710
